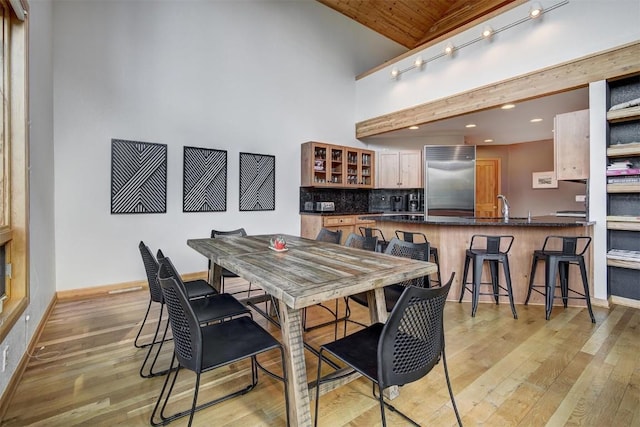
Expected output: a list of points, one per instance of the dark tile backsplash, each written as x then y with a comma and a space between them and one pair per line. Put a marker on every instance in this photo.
352, 200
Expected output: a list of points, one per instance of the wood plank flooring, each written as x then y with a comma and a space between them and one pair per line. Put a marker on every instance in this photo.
505, 372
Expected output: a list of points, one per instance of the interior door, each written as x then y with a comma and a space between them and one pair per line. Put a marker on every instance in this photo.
487, 187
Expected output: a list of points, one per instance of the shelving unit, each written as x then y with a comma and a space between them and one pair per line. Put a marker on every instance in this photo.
623, 198
328, 165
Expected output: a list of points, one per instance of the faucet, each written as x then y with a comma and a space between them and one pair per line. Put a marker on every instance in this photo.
505, 206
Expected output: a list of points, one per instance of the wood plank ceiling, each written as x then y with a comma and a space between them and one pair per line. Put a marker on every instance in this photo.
413, 23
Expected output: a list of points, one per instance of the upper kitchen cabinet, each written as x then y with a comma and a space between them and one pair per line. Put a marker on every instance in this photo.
399, 169
328, 165
571, 145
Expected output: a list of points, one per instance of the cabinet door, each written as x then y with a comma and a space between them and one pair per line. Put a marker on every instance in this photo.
571, 143
410, 169
387, 173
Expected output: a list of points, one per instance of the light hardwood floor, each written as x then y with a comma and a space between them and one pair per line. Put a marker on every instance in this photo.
505, 372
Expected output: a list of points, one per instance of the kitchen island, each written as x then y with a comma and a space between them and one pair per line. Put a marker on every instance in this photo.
452, 235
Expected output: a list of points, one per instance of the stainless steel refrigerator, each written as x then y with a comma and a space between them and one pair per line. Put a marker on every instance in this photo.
450, 180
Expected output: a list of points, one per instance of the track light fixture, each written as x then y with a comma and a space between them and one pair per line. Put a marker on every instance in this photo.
488, 32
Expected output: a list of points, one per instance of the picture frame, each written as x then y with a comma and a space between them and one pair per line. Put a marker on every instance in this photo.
544, 180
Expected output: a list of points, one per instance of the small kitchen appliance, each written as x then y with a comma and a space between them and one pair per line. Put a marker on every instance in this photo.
397, 203
325, 207
414, 202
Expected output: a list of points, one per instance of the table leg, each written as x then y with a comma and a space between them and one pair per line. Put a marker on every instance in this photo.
291, 327
215, 276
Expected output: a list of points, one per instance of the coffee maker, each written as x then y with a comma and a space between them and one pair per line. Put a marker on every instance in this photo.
414, 202
397, 203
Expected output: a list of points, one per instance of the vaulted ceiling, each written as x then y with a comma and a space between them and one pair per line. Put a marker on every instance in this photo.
413, 23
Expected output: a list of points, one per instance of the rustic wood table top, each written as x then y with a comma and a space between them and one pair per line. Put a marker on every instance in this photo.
309, 272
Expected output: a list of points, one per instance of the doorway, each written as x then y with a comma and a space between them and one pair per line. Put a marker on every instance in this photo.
487, 187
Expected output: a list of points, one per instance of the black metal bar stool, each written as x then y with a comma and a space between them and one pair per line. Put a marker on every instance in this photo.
371, 232
409, 236
557, 262
495, 251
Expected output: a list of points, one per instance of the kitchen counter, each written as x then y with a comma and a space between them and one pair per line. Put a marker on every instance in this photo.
540, 221
339, 213
452, 235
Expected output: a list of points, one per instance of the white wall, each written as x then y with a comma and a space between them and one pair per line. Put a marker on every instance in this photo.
242, 76
41, 214
577, 29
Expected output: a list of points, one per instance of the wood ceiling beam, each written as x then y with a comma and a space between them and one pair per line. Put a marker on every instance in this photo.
609, 64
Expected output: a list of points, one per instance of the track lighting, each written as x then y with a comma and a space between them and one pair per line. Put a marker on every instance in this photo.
488, 32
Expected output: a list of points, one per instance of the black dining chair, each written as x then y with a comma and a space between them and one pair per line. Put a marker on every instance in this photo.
204, 348
398, 352
195, 289
416, 236
226, 274
397, 247
329, 236
209, 308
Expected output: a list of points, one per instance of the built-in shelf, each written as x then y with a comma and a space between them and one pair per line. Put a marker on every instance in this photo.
623, 150
617, 222
623, 188
626, 114
623, 259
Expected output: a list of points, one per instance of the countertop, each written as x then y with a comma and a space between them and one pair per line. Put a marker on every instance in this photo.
539, 221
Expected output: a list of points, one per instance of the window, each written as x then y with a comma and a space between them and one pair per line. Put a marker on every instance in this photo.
13, 164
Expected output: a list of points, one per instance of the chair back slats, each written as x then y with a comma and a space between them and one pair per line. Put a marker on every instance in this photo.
151, 268
412, 339
417, 251
184, 325
361, 242
329, 236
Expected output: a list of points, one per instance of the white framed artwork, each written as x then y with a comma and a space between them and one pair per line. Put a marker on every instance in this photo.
544, 179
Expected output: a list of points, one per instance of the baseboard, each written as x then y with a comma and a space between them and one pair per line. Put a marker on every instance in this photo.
117, 288
627, 302
12, 386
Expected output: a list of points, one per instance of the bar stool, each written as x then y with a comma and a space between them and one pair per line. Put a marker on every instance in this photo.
370, 232
409, 236
558, 262
493, 253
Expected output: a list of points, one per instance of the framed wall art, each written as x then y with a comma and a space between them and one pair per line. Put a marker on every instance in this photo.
204, 184
544, 180
257, 182
138, 177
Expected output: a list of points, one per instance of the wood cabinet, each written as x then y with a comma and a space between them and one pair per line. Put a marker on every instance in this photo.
310, 225
623, 192
399, 169
328, 165
571, 145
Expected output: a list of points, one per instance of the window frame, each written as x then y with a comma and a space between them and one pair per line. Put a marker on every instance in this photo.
15, 157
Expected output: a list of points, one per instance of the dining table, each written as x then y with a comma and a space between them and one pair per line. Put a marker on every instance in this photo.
306, 273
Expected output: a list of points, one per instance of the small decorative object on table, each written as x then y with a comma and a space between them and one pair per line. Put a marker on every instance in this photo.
278, 243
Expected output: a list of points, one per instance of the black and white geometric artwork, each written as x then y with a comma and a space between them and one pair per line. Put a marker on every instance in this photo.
204, 187
257, 182
138, 177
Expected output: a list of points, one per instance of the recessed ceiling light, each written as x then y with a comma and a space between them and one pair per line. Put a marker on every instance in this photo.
508, 106
488, 140
414, 127
537, 120
470, 125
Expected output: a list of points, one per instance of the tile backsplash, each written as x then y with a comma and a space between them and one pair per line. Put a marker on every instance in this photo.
353, 200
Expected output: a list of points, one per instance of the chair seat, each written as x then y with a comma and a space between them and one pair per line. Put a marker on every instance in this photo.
221, 343
359, 350
199, 288
218, 307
